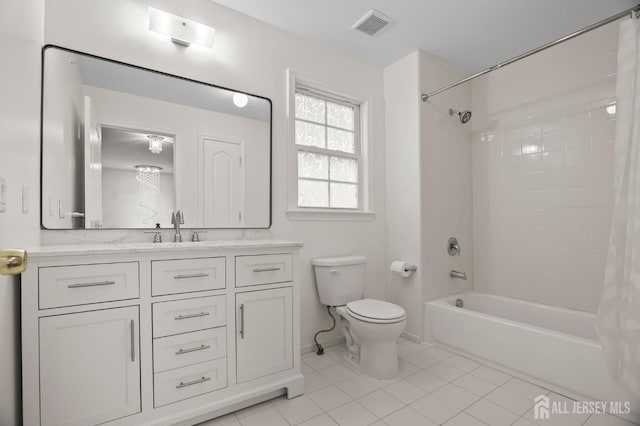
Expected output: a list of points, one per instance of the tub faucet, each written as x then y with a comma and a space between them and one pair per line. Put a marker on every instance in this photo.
456, 274
177, 219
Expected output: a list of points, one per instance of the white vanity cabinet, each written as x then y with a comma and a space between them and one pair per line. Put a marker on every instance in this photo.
158, 334
90, 366
265, 335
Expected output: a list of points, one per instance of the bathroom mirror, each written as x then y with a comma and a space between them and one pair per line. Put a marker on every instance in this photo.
124, 146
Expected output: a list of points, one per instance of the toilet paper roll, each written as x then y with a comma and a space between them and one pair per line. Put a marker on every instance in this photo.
400, 268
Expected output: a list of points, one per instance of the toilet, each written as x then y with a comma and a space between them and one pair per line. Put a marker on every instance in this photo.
370, 326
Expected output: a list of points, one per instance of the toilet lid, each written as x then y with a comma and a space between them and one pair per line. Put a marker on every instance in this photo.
376, 310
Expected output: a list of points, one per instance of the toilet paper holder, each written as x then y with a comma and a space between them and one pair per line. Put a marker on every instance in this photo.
410, 268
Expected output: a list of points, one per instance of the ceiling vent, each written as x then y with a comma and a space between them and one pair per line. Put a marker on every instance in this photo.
372, 23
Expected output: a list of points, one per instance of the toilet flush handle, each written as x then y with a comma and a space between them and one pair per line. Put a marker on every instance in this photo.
333, 271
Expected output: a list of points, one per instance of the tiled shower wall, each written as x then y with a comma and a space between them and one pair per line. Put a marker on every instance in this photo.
543, 145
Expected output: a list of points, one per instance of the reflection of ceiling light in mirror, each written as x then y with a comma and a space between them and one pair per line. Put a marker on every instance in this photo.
611, 109
155, 143
530, 149
240, 100
181, 31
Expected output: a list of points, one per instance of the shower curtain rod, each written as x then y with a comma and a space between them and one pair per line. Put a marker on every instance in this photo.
635, 9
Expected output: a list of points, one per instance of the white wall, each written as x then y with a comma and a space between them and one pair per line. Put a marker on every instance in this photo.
543, 173
121, 202
401, 89
429, 196
446, 190
21, 37
63, 129
250, 56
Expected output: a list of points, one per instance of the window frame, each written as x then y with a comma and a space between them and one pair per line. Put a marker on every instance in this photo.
356, 155
363, 212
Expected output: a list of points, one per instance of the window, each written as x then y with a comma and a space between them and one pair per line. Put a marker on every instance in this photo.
328, 150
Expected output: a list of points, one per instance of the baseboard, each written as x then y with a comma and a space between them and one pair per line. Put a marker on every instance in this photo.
411, 337
325, 343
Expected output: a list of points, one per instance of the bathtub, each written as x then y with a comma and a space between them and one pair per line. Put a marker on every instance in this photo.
555, 347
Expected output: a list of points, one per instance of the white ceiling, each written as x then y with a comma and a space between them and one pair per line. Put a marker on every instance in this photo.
111, 75
469, 35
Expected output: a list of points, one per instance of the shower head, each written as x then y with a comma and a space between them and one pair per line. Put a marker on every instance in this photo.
464, 116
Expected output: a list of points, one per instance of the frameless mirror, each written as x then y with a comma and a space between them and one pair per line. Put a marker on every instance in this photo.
124, 146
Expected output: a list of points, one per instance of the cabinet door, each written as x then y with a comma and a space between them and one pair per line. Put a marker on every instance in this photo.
264, 333
89, 367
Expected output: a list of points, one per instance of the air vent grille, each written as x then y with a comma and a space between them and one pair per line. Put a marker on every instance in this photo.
372, 23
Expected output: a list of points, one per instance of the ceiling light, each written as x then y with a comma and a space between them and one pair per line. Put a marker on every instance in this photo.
181, 31
611, 109
240, 100
155, 143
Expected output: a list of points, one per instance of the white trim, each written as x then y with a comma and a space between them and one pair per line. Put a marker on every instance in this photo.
337, 215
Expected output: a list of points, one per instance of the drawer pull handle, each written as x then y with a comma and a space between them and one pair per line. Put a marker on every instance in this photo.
186, 351
194, 382
97, 284
182, 317
133, 341
272, 269
242, 321
182, 277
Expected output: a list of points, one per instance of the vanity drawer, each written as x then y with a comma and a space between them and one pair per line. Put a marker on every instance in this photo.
189, 348
82, 284
187, 382
263, 269
187, 275
183, 316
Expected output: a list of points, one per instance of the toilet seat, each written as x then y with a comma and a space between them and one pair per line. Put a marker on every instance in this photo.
375, 311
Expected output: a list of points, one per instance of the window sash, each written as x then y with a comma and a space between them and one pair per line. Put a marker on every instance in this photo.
331, 98
330, 207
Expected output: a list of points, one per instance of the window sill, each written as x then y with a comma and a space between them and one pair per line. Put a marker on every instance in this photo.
319, 215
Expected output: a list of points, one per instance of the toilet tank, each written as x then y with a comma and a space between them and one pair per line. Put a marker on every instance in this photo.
340, 279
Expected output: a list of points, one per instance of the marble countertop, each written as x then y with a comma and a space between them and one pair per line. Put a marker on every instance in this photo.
124, 248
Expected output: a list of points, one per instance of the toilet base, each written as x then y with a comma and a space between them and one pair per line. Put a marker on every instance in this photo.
372, 348
379, 360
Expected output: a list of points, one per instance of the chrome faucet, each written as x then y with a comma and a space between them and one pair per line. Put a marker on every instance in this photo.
456, 274
177, 219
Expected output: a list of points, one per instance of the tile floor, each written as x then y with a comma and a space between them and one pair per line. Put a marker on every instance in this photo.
434, 387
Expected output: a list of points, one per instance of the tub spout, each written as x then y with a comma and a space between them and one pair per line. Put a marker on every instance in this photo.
456, 274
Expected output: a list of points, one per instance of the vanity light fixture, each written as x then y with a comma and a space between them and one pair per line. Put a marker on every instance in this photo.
181, 31
155, 143
240, 100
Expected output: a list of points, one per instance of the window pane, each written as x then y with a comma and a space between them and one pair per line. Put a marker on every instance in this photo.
344, 169
341, 140
344, 195
313, 193
340, 116
310, 134
312, 165
310, 108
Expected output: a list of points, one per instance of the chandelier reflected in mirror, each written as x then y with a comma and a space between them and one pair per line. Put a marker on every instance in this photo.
148, 178
155, 143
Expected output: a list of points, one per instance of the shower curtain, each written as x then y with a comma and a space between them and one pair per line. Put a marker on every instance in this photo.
618, 322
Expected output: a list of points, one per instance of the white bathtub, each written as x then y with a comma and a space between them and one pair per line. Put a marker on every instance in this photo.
554, 346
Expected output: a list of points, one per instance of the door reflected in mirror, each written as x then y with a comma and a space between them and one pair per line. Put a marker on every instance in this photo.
123, 147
